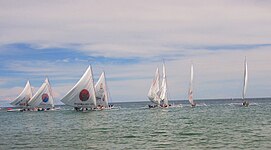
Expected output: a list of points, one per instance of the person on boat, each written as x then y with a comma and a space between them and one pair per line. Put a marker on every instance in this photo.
245, 103
76, 108
151, 106
193, 105
164, 105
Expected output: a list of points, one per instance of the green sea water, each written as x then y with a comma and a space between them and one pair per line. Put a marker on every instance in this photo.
217, 125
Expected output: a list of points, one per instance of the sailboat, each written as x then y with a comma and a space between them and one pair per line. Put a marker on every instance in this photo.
190, 91
102, 94
43, 99
24, 97
245, 102
82, 95
158, 95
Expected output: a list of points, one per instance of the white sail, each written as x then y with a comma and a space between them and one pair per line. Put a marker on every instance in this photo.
245, 79
43, 97
163, 90
83, 93
154, 92
102, 96
24, 97
190, 91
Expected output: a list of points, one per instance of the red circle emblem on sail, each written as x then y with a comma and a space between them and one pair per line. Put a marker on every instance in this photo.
84, 95
45, 97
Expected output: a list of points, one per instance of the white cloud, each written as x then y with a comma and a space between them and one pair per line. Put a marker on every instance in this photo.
149, 30
217, 75
135, 28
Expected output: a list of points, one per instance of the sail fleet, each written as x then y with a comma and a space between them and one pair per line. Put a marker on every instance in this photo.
86, 95
42, 100
83, 96
159, 93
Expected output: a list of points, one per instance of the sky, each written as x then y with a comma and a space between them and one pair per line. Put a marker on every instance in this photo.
129, 39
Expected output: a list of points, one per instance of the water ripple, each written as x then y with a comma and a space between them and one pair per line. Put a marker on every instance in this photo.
207, 127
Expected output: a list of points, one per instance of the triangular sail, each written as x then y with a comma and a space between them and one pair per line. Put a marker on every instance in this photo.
83, 93
163, 95
245, 79
43, 97
154, 94
24, 97
190, 91
102, 96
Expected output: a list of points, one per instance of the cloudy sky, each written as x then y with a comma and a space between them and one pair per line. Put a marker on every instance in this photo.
128, 39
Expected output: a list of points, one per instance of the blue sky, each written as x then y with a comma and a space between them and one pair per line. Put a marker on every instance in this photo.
128, 40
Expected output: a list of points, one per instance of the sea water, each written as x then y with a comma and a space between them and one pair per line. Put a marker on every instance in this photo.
214, 124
